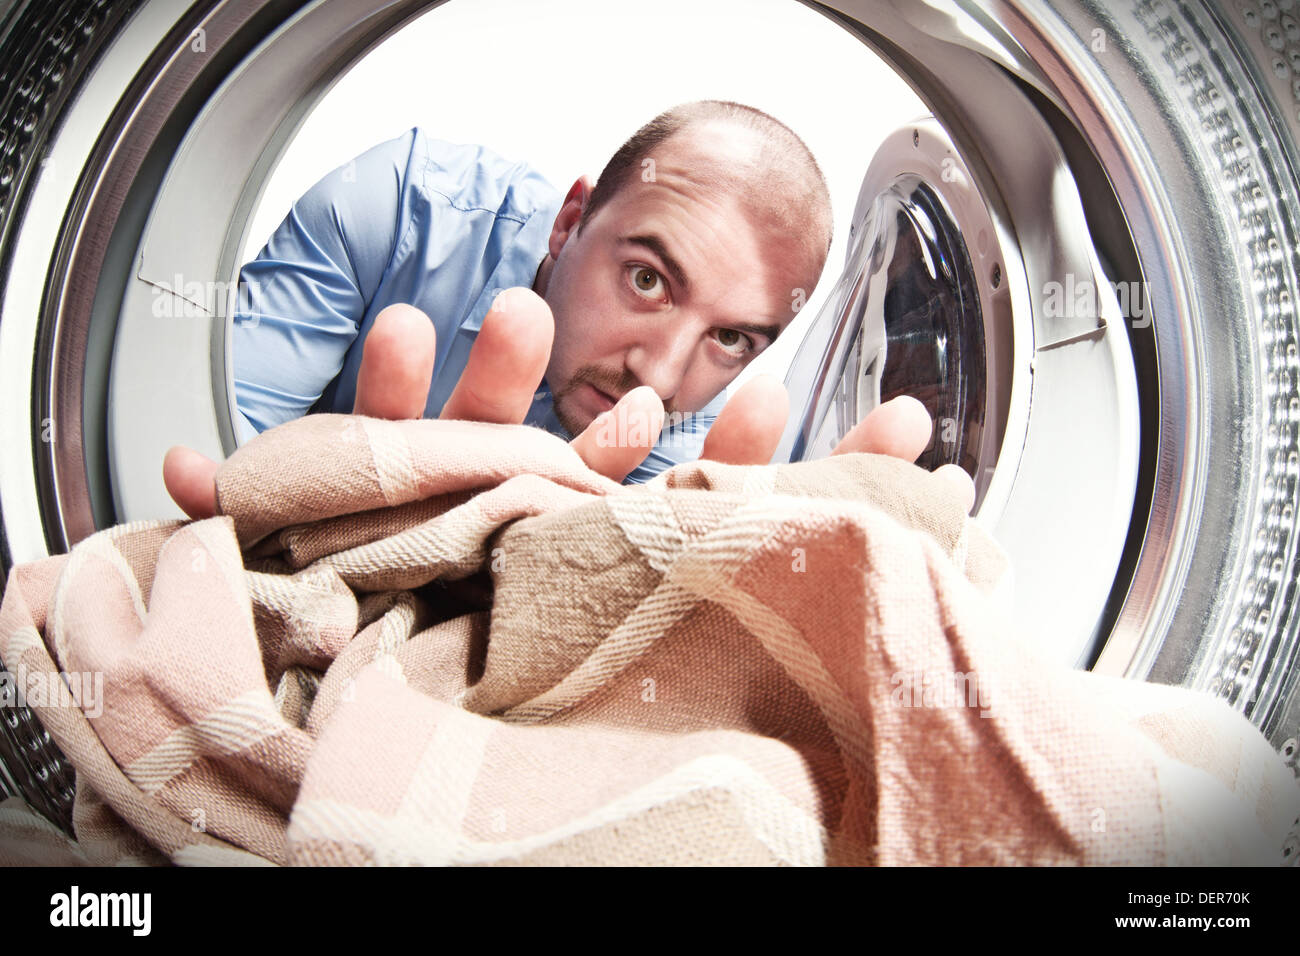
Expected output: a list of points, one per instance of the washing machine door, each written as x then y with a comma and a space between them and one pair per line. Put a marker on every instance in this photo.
906, 317
926, 306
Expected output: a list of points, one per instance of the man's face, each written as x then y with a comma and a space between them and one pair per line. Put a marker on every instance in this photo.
673, 283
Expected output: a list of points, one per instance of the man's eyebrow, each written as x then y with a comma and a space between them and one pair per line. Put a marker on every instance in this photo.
771, 331
656, 245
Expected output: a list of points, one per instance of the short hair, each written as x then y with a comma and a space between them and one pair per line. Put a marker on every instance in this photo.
802, 194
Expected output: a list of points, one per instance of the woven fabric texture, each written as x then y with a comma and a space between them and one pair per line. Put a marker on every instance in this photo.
432, 642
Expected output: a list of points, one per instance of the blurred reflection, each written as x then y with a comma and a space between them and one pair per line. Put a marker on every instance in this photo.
905, 319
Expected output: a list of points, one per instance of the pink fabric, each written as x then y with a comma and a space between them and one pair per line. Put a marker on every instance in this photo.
443, 642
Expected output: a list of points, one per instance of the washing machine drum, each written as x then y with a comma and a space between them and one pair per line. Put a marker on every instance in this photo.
1140, 465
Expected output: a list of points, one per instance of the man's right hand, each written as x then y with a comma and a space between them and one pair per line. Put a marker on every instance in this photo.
505, 366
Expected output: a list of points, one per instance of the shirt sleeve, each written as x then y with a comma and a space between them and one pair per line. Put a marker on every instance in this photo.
302, 299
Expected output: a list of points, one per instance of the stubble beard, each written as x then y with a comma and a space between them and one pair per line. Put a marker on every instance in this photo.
611, 383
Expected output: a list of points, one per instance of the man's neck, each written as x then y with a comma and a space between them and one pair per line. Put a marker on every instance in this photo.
543, 276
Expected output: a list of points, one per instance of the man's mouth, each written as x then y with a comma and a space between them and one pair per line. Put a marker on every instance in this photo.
582, 401
602, 399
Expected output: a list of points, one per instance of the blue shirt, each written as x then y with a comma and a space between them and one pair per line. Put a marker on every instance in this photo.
440, 226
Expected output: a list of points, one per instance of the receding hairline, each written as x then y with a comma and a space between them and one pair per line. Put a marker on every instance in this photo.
794, 194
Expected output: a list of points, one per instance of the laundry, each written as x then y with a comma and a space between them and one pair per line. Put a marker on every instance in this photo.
441, 642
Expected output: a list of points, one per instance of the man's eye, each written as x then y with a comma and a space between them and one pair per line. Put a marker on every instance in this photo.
737, 343
646, 281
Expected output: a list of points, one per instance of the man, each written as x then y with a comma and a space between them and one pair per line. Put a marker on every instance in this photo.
701, 237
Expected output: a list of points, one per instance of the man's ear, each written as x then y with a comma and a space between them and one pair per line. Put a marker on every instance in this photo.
566, 221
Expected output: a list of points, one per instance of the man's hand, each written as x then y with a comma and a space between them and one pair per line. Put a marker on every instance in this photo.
505, 366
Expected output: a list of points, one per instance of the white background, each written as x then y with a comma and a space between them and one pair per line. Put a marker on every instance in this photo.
561, 84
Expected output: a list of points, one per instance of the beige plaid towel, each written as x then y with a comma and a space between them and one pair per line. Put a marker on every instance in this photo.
443, 642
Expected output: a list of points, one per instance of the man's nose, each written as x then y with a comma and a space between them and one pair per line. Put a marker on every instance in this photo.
662, 360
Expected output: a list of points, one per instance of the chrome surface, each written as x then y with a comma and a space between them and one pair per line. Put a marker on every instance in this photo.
1213, 598
929, 320
33, 250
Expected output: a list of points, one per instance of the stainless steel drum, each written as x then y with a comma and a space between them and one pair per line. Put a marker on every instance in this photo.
1084, 261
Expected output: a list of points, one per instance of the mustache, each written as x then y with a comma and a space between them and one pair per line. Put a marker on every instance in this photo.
614, 384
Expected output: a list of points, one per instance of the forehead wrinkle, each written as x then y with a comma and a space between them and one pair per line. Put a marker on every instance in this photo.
764, 242
733, 159
655, 244
683, 230
751, 197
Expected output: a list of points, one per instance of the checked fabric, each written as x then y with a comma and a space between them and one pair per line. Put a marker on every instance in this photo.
436, 642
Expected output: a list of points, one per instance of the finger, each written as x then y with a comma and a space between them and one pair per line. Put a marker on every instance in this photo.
961, 484
618, 440
396, 365
750, 425
191, 480
899, 428
506, 362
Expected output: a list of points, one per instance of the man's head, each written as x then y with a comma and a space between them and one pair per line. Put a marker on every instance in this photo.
703, 236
